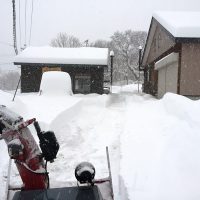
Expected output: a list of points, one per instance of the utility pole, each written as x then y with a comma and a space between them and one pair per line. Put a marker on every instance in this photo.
14, 28
15, 41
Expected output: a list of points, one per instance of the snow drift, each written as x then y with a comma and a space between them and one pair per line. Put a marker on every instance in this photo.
56, 83
154, 144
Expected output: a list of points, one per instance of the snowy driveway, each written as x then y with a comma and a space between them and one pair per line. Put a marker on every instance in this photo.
154, 144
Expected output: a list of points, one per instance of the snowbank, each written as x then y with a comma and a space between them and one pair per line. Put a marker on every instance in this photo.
160, 149
56, 83
154, 144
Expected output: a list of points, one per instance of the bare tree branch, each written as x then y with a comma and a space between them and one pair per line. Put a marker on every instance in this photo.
64, 40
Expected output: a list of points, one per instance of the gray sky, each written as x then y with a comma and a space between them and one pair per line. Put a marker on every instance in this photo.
85, 19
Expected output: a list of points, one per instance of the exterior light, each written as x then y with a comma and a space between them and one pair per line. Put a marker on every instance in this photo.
111, 67
139, 65
112, 54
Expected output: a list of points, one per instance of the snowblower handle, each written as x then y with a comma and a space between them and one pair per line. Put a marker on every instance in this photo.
26, 123
48, 143
37, 128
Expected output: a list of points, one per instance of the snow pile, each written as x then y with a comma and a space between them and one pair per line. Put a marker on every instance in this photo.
160, 149
184, 108
180, 23
55, 83
154, 144
53, 55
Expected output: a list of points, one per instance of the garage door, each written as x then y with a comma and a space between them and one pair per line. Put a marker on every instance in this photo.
167, 74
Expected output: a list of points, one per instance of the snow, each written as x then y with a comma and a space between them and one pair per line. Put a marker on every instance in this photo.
15, 142
167, 61
53, 55
55, 83
153, 144
85, 166
184, 24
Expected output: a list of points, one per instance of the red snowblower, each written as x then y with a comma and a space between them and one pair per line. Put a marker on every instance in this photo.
31, 161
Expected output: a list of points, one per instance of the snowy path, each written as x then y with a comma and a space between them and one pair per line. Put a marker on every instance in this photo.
154, 144
86, 140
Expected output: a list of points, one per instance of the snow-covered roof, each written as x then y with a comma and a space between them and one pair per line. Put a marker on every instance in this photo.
166, 61
180, 23
53, 55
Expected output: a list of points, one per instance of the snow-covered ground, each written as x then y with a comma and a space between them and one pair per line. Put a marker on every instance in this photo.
154, 144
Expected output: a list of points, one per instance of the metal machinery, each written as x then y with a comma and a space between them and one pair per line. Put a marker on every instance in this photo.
31, 162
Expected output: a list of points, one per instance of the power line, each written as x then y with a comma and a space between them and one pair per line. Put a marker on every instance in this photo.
25, 21
31, 23
20, 24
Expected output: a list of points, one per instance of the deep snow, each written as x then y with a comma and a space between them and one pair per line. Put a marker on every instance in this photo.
56, 83
56, 55
154, 144
180, 23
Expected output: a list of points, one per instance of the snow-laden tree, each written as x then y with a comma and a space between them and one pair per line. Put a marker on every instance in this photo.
101, 44
9, 80
65, 40
125, 45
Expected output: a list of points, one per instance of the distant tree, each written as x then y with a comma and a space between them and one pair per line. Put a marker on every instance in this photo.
65, 40
125, 45
9, 80
101, 44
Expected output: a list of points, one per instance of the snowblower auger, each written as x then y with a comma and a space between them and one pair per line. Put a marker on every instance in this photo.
32, 168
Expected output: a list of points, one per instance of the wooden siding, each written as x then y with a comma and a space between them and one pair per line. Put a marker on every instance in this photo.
96, 73
161, 42
47, 69
31, 76
190, 70
150, 85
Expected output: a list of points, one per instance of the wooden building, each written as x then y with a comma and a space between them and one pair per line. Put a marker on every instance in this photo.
85, 66
171, 58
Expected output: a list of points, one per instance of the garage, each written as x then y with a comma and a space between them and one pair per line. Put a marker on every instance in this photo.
85, 65
167, 74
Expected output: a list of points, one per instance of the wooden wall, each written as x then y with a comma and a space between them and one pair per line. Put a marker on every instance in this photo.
161, 42
190, 70
31, 76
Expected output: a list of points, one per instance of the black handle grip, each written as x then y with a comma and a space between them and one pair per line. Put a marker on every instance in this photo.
37, 128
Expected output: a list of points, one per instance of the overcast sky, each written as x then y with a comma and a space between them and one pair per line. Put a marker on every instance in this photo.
85, 19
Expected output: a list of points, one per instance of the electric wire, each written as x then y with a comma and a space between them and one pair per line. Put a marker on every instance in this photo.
25, 21
31, 22
20, 32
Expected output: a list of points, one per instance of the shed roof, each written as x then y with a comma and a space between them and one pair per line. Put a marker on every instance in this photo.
53, 55
184, 24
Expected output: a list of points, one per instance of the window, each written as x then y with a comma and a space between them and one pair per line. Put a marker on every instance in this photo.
82, 84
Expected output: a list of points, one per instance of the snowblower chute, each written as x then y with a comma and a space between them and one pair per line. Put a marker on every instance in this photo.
29, 160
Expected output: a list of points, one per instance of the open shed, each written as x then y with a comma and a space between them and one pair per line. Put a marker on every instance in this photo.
85, 66
171, 58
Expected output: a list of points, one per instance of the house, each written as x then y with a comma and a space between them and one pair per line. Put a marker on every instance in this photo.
171, 58
85, 66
